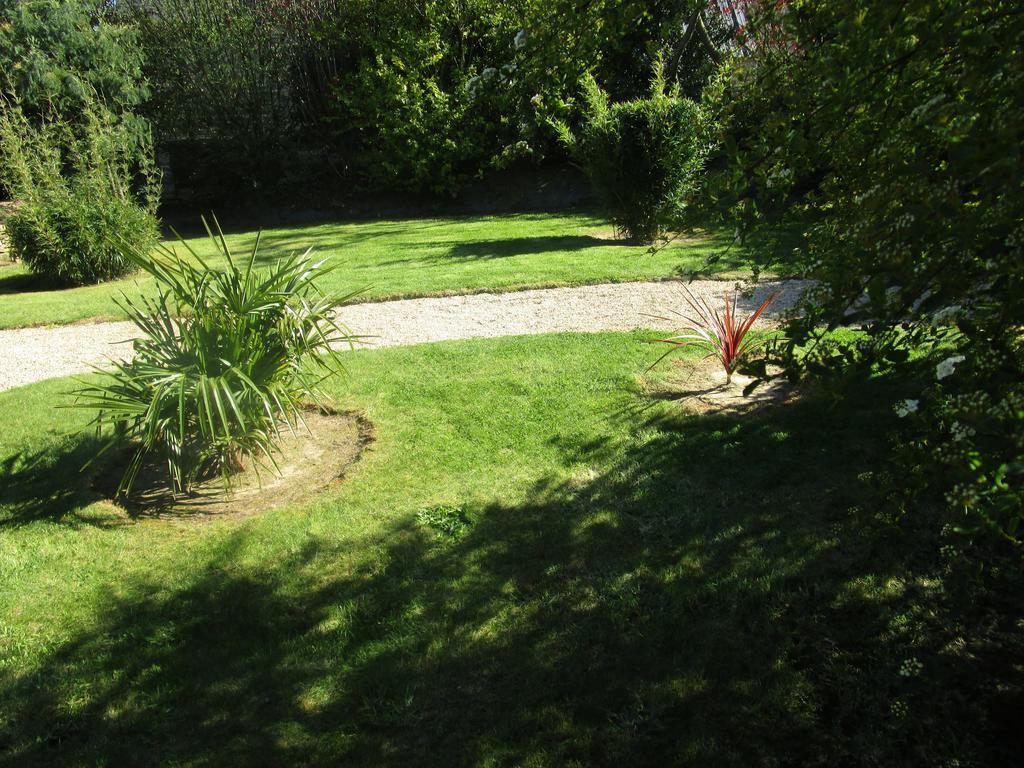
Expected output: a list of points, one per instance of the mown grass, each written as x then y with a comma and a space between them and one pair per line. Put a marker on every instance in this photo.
535, 564
410, 257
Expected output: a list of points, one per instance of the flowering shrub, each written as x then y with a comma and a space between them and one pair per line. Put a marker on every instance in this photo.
886, 166
966, 435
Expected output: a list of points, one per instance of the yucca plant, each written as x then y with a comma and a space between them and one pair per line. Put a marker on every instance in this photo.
721, 333
227, 360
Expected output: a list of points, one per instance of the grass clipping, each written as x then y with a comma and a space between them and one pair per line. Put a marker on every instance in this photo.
307, 463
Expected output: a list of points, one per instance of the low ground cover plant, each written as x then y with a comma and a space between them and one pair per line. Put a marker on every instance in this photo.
227, 360
82, 187
640, 155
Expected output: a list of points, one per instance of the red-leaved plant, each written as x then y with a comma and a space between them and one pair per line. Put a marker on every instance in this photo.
720, 332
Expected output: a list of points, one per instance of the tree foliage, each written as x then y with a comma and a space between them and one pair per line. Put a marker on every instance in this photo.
876, 148
57, 53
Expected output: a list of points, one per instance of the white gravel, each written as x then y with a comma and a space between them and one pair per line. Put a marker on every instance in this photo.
32, 354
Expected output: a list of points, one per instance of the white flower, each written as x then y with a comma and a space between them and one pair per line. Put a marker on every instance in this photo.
488, 73
947, 366
907, 407
960, 431
520, 41
536, 100
911, 667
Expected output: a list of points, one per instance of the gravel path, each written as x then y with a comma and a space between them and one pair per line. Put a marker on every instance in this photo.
33, 354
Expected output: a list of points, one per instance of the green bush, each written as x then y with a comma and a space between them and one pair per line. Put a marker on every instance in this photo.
57, 53
427, 100
887, 166
68, 235
640, 155
226, 360
83, 191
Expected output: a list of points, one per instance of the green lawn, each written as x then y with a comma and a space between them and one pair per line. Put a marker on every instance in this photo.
410, 257
626, 585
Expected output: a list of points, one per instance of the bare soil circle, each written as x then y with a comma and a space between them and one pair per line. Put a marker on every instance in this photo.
308, 461
702, 388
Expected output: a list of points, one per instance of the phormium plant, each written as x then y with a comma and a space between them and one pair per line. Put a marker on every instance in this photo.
227, 359
721, 333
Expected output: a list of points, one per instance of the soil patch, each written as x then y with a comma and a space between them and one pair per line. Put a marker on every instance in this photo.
614, 236
701, 388
308, 462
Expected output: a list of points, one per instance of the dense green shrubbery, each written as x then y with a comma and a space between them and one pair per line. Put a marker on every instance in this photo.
381, 94
79, 191
641, 155
424, 99
887, 166
375, 90
226, 360
221, 74
67, 234
57, 53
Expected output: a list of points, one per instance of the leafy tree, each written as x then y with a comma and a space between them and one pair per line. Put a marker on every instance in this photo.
56, 53
876, 148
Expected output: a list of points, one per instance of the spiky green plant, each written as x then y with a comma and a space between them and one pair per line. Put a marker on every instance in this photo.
720, 333
227, 359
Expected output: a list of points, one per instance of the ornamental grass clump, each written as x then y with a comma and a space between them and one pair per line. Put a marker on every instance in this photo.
83, 187
227, 360
721, 333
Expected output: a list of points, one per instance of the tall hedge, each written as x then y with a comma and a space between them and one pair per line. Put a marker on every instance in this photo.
641, 155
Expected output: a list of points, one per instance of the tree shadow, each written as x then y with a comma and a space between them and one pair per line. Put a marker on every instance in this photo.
700, 599
54, 483
525, 246
27, 282
331, 241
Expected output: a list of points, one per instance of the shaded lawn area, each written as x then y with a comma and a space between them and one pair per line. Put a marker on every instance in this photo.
620, 584
410, 257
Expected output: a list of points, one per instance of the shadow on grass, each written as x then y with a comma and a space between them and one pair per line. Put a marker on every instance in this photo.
332, 241
53, 484
26, 282
703, 599
523, 246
